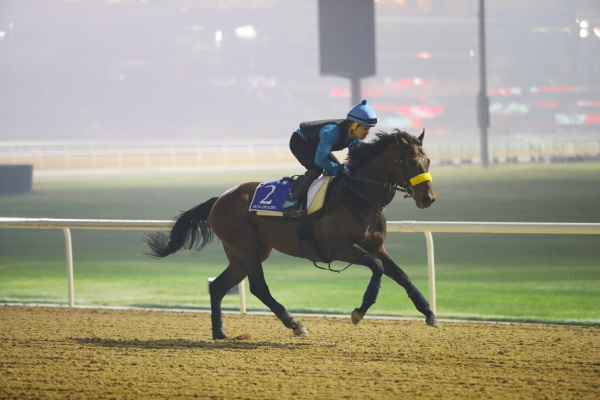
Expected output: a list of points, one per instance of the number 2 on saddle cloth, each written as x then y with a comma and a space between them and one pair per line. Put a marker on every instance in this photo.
269, 197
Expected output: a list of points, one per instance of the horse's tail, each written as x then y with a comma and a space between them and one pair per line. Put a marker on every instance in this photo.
188, 228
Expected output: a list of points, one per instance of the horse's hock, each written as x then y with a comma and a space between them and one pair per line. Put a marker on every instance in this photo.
92, 353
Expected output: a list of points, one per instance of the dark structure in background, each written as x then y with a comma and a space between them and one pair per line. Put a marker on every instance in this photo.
15, 179
347, 41
219, 69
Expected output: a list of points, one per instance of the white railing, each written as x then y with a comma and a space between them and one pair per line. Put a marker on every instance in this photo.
393, 226
92, 155
483, 227
74, 155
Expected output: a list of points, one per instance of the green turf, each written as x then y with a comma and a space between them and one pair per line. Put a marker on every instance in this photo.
490, 276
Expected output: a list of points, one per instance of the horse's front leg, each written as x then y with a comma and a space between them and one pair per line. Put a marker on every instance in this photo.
397, 274
357, 255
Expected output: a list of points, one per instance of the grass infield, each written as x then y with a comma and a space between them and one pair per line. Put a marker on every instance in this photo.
549, 278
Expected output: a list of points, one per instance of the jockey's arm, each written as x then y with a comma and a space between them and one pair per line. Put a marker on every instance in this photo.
328, 136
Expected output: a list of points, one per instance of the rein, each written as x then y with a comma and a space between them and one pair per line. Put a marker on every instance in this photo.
388, 186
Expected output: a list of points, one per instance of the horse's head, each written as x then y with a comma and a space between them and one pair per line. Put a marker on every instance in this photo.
393, 160
411, 169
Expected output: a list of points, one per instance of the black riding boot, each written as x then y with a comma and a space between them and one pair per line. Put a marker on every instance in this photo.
296, 209
302, 184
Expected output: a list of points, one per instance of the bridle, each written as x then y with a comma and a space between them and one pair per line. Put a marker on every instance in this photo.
390, 186
412, 182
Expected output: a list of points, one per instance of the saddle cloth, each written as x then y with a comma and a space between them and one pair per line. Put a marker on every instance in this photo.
269, 197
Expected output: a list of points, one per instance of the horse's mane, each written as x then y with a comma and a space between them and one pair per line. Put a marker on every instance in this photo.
359, 155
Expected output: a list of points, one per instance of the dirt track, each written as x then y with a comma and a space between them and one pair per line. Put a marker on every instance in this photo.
102, 354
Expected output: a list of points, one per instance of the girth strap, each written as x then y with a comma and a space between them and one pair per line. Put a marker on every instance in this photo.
307, 242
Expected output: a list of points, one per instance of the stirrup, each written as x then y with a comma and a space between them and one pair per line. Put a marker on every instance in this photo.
294, 211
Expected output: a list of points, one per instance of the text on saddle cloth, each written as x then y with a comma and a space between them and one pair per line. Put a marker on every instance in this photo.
269, 197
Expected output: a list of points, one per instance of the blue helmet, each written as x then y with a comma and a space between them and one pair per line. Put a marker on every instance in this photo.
363, 114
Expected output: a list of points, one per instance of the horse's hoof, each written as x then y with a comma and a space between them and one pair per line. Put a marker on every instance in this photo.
219, 335
357, 316
432, 321
300, 331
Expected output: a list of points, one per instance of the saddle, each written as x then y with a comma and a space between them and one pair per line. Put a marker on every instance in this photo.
270, 197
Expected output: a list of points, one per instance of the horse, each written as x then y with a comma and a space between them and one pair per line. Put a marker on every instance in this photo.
351, 227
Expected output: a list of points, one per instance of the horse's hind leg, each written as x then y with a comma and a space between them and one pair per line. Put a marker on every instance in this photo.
260, 289
238, 270
233, 275
397, 274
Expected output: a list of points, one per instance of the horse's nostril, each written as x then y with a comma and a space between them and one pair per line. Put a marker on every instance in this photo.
426, 201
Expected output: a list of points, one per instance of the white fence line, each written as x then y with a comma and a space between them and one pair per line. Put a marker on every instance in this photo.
483, 227
393, 226
57, 155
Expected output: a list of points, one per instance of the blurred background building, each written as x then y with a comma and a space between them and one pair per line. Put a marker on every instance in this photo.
229, 69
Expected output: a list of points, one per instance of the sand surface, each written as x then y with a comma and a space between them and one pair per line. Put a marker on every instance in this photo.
62, 353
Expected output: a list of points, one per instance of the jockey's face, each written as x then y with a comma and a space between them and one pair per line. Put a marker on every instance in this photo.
359, 131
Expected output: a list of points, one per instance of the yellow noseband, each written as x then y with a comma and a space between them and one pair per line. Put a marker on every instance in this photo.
426, 177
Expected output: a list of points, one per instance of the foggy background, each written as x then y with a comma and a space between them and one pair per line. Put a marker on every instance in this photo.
233, 69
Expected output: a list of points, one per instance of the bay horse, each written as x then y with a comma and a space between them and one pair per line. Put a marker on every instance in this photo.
351, 227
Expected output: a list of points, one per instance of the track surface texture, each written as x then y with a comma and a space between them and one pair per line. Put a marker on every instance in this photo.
62, 353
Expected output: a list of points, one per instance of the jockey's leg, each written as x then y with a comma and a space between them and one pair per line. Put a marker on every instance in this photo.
303, 183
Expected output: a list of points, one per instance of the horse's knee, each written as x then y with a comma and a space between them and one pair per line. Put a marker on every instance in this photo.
376, 267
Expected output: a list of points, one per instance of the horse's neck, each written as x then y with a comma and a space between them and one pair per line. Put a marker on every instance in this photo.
377, 169
373, 175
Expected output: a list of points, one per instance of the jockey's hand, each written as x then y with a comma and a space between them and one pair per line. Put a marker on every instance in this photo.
345, 172
330, 173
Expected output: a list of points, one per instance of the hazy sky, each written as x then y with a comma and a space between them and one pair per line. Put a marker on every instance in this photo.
134, 69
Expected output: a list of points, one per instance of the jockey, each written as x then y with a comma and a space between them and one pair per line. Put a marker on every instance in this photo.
313, 142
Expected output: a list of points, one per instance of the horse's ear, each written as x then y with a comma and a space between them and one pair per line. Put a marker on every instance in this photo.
422, 136
400, 139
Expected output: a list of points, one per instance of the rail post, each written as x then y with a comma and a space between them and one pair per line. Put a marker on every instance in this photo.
69, 254
431, 270
242, 292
